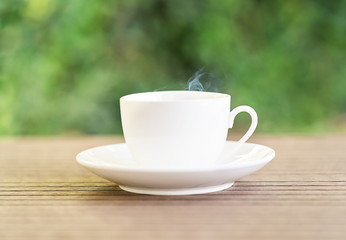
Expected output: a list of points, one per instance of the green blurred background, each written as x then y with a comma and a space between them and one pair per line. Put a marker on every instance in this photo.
65, 64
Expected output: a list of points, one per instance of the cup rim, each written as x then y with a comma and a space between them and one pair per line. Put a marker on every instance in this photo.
197, 96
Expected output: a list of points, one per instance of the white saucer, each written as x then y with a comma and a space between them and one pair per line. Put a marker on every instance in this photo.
114, 162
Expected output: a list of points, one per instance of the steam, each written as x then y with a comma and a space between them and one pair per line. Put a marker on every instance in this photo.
202, 81
194, 84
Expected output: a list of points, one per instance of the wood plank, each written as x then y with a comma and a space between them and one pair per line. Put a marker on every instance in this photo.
44, 194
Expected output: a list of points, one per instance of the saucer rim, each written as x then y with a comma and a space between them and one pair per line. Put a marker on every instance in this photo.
138, 168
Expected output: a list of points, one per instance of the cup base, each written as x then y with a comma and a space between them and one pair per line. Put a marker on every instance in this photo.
180, 191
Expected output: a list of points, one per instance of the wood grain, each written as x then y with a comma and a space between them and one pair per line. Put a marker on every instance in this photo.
44, 194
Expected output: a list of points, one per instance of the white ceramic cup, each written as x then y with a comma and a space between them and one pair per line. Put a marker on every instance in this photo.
180, 129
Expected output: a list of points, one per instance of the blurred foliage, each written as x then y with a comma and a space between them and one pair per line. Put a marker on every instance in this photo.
65, 64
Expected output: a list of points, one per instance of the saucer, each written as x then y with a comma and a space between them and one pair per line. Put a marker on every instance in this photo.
114, 163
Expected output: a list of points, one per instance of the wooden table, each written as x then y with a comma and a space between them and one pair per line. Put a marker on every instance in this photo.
44, 194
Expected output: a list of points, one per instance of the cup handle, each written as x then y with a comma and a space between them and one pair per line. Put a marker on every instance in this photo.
254, 121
